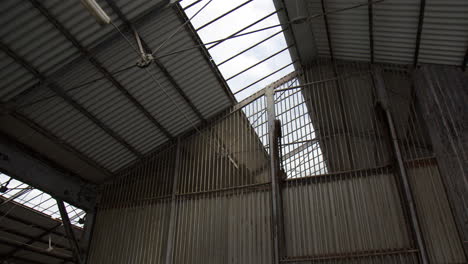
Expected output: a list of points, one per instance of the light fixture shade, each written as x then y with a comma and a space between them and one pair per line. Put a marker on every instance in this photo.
96, 11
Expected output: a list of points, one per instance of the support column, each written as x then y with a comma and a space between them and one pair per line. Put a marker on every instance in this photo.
406, 188
276, 208
173, 216
69, 231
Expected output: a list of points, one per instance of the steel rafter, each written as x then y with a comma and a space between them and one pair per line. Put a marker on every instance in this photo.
58, 90
422, 7
99, 67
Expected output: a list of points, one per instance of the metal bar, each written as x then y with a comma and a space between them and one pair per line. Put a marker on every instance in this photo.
274, 159
407, 192
422, 6
251, 47
68, 230
258, 63
159, 65
223, 15
264, 77
192, 4
88, 230
371, 30
244, 28
66, 97
100, 67
173, 214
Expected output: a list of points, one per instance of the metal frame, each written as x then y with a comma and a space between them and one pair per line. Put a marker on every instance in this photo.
406, 187
203, 50
159, 65
60, 92
69, 231
45, 176
101, 68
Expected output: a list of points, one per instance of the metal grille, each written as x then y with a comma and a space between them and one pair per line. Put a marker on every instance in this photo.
346, 174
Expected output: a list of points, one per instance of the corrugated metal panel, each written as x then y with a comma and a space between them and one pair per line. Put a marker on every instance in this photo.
13, 78
72, 127
395, 28
34, 38
339, 216
38, 42
81, 24
442, 240
444, 39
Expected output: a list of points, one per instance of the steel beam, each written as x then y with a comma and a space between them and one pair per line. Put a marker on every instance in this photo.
422, 7
22, 165
159, 65
69, 231
274, 172
98, 65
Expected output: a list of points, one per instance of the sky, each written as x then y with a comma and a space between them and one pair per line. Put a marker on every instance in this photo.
233, 22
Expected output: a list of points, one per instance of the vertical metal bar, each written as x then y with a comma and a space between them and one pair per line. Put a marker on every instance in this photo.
172, 219
407, 192
275, 209
68, 230
87, 236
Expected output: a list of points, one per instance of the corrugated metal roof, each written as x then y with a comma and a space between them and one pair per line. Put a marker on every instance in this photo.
129, 113
395, 25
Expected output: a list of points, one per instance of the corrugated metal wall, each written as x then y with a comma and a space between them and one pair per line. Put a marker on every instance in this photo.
208, 197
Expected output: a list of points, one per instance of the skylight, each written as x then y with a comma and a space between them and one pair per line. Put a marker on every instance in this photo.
37, 200
255, 68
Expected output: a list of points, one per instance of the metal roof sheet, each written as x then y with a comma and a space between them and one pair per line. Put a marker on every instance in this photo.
395, 29
113, 120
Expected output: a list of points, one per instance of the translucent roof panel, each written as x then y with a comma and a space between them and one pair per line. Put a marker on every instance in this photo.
248, 62
37, 200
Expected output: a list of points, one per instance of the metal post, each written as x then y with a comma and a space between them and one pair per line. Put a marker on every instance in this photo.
173, 216
407, 193
276, 220
85, 241
68, 230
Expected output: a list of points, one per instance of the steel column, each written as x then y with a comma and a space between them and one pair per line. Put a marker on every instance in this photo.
275, 189
68, 230
407, 191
